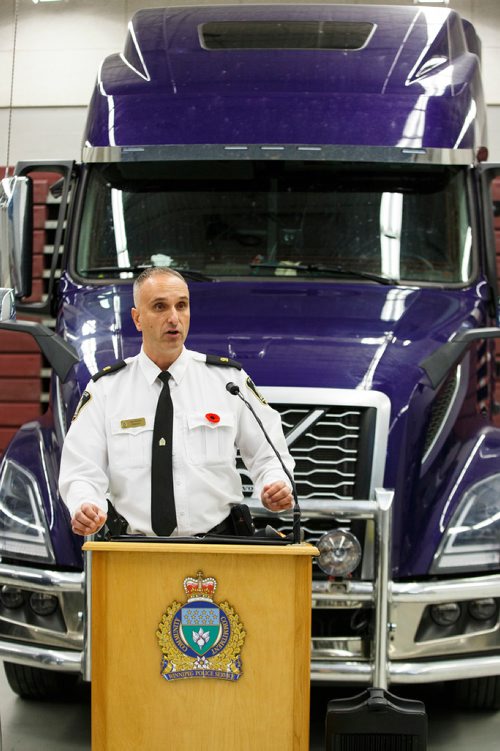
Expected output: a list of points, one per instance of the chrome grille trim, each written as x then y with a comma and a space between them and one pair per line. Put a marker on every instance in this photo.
306, 418
309, 419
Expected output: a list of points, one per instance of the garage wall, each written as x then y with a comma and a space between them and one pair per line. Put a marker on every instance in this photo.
59, 47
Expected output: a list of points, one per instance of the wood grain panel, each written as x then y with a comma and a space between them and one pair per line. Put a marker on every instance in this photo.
133, 706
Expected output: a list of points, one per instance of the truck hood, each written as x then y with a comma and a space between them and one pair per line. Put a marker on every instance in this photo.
294, 333
328, 335
347, 336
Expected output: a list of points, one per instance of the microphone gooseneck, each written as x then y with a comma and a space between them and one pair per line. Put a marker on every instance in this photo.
233, 389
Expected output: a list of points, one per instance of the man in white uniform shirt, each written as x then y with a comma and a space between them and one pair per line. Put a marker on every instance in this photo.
108, 449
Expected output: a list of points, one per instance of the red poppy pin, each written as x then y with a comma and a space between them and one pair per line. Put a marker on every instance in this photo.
212, 417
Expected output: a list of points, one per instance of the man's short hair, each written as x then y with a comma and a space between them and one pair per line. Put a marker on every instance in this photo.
153, 271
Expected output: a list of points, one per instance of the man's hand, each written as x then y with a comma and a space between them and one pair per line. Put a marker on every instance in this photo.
277, 496
88, 519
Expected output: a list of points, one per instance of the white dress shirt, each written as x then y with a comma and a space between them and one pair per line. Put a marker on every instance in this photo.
107, 450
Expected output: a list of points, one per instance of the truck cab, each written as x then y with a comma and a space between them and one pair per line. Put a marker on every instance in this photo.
317, 175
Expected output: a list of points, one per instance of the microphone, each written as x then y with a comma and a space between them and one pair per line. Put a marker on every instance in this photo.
235, 391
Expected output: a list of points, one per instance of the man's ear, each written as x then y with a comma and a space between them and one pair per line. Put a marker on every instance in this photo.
136, 318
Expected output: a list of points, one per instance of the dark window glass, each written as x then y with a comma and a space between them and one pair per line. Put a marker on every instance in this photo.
285, 35
280, 219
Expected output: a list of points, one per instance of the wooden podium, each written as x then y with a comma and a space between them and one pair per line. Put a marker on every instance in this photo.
263, 595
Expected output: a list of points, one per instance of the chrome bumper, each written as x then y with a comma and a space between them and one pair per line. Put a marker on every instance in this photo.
425, 592
423, 669
398, 608
323, 671
64, 661
42, 580
64, 584
386, 596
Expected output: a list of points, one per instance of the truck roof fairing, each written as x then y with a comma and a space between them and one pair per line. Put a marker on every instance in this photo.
352, 76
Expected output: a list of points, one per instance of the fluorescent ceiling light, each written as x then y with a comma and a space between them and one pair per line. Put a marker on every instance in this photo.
422, 2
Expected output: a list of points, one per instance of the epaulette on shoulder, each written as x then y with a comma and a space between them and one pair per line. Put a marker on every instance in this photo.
223, 361
109, 369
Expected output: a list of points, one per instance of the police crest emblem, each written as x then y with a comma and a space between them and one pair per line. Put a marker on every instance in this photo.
200, 638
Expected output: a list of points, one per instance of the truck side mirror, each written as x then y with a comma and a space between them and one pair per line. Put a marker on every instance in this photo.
16, 234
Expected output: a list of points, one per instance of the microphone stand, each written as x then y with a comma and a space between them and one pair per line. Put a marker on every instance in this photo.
296, 522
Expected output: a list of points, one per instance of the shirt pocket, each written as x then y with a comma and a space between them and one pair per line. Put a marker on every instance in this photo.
130, 442
209, 441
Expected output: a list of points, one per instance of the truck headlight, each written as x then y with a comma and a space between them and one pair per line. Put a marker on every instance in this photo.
471, 541
23, 531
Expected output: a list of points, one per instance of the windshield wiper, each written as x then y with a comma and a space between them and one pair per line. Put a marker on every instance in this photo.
193, 274
112, 270
196, 276
340, 271
333, 270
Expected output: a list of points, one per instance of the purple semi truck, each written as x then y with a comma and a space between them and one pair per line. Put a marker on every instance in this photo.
316, 173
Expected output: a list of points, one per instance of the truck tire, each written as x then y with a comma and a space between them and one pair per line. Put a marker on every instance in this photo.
478, 693
40, 684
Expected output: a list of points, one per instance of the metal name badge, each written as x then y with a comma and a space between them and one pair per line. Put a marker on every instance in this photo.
200, 638
136, 422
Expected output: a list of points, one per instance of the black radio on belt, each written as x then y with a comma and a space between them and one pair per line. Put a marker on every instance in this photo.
242, 520
116, 523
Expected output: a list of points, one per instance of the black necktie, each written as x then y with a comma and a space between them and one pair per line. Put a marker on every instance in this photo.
163, 517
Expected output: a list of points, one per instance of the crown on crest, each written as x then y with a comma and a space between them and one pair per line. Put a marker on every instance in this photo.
201, 588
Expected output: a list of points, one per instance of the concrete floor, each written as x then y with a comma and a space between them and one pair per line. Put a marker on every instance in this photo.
35, 726
38, 726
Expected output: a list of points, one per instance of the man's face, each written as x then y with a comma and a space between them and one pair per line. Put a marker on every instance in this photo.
162, 316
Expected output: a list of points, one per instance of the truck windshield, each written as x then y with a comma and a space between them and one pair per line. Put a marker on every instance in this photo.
279, 219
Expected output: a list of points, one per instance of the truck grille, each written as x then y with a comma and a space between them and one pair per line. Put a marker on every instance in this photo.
332, 447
